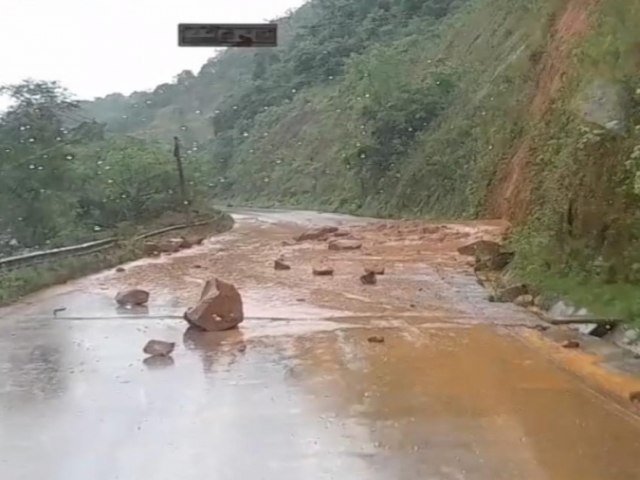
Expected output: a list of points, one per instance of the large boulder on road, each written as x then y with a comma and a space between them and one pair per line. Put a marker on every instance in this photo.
220, 307
320, 233
133, 296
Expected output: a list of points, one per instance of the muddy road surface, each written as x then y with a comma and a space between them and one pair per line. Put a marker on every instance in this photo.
298, 392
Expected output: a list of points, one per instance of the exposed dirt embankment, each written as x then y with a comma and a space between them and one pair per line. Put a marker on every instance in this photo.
509, 197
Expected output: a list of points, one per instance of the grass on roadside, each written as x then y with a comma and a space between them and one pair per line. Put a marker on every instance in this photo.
18, 283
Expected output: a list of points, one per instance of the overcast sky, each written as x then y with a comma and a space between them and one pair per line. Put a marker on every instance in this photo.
95, 47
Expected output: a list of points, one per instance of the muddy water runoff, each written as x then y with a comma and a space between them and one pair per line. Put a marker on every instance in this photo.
298, 392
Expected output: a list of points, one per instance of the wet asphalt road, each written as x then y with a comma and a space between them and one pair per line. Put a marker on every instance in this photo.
298, 391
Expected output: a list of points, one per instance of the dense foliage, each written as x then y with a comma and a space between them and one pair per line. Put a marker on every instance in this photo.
60, 183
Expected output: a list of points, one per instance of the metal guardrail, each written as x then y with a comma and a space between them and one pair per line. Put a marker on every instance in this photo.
37, 258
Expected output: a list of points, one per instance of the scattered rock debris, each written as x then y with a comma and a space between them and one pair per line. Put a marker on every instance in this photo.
159, 348
345, 245
197, 265
570, 344
58, 310
321, 233
279, 264
524, 301
509, 294
133, 296
120, 269
375, 339
342, 233
634, 397
376, 269
481, 247
322, 270
220, 307
368, 279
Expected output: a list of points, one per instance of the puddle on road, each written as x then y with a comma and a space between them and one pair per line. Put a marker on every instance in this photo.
304, 397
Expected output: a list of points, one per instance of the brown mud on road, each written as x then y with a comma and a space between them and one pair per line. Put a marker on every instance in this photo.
298, 391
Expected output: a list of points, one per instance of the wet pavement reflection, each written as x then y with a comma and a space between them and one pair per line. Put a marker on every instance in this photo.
297, 392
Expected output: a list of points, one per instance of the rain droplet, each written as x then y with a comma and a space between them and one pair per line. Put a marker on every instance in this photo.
32, 166
293, 90
148, 102
362, 155
97, 228
235, 107
69, 157
125, 116
109, 181
245, 134
183, 127
40, 167
58, 138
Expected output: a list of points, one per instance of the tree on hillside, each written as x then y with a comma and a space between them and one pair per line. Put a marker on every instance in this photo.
35, 171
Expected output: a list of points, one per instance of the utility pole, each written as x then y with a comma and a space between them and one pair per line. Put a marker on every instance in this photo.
186, 204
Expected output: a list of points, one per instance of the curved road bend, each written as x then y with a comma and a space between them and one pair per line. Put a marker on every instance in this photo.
298, 392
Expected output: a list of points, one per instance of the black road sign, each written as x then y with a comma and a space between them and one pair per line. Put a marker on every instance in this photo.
227, 35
